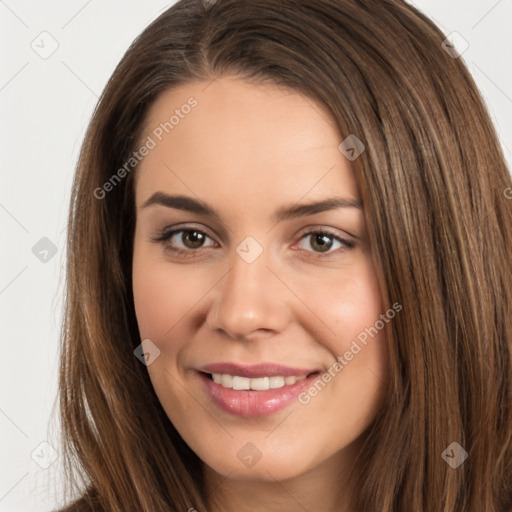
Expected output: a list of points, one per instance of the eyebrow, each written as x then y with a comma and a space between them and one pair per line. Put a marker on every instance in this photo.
293, 211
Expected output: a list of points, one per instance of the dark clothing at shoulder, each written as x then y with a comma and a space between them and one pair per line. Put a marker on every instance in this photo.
86, 503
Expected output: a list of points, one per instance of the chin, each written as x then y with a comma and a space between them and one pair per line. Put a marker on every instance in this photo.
249, 463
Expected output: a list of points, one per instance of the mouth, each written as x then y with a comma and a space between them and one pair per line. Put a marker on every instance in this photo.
265, 383
254, 391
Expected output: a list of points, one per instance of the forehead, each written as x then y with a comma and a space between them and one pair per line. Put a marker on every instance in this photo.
229, 138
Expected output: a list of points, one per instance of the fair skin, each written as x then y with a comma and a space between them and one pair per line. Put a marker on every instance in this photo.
248, 151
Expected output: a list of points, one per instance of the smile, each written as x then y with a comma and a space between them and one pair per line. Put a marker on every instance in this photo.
254, 391
259, 384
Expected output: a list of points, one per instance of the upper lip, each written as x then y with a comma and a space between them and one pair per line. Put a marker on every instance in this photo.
255, 371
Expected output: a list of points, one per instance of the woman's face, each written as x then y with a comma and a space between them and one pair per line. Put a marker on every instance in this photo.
239, 278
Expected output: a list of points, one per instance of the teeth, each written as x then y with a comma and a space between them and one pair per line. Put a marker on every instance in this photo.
258, 384
226, 381
241, 383
276, 382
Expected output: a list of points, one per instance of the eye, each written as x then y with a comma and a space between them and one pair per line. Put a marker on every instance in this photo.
323, 242
182, 240
186, 241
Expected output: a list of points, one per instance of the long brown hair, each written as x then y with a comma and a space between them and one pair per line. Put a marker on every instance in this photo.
434, 184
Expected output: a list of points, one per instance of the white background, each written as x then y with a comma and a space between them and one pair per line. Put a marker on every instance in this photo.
45, 105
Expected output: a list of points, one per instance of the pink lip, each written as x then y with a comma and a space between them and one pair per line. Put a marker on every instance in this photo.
252, 404
257, 370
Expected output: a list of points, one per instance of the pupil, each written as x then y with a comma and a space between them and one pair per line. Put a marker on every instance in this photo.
322, 242
192, 239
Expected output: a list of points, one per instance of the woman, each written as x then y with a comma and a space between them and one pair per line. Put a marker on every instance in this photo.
289, 277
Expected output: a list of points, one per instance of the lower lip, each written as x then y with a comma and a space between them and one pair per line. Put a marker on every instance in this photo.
252, 404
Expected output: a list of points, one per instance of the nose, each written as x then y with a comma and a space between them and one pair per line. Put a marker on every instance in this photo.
250, 301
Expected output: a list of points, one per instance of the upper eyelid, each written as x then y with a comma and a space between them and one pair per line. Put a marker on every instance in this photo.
172, 230
303, 231
166, 234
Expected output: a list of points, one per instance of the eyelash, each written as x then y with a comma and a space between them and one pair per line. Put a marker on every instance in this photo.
164, 236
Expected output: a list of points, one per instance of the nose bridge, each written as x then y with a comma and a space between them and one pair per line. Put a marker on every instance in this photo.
250, 297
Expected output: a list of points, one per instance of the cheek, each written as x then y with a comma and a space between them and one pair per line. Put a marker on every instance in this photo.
353, 309
347, 304
364, 343
163, 297
155, 298
163, 294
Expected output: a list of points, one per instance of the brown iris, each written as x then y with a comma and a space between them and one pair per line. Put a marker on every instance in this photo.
321, 242
192, 239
